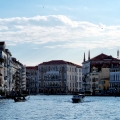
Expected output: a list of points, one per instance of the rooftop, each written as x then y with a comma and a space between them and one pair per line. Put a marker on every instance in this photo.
59, 62
103, 57
31, 67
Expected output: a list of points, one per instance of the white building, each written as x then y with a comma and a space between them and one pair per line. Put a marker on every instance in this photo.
18, 76
114, 80
8, 68
59, 77
3, 68
79, 80
54, 77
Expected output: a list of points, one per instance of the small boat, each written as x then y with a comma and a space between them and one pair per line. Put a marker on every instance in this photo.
78, 98
19, 99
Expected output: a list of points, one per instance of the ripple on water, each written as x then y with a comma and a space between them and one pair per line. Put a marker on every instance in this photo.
60, 108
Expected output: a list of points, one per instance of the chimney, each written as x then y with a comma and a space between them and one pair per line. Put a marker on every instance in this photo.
89, 55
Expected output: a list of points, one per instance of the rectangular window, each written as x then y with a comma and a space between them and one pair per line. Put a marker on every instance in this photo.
93, 79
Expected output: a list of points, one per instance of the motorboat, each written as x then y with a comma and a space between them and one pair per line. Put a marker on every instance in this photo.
78, 98
19, 99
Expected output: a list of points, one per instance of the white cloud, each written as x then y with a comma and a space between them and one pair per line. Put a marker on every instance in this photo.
59, 28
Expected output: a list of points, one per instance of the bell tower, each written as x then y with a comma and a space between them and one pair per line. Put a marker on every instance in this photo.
89, 55
84, 57
117, 54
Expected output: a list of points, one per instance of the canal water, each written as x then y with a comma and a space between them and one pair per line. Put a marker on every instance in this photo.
60, 107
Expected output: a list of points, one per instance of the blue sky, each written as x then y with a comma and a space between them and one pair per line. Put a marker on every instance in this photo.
36, 31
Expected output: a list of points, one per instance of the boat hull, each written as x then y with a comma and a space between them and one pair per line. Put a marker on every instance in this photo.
77, 100
19, 99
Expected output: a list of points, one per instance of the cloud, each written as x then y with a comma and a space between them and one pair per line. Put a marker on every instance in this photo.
58, 29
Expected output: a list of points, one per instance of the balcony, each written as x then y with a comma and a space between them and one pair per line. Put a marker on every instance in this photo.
1, 66
86, 88
86, 83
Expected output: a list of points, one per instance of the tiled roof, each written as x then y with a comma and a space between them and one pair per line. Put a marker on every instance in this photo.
59, 62
103, 57
16, 61
31, 67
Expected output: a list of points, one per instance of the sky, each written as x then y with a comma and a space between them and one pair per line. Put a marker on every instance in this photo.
37, 31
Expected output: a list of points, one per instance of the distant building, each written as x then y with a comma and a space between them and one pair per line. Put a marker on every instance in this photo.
32, 79
18, 76
96, 73
104, 80
115, 80
54, 77
8, 67
59, 77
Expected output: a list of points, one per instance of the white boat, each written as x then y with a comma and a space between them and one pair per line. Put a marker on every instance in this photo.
78, 98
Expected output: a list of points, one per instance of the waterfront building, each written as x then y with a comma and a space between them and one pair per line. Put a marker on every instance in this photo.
59, 77
96, 73
8, 66
104, 79
115, 79
79, 80
32, 81
94, 80
18, 76
3, 68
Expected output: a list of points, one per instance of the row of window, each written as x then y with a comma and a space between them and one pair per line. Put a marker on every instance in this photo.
55, 68
113, 85
115, 77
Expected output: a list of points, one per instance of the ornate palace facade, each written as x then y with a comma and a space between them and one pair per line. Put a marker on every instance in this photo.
59, 77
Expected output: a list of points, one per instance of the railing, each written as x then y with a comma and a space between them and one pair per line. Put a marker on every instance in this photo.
114, 81
52, 79
52, 86
86, 88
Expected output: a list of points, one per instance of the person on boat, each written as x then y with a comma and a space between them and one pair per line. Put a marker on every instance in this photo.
23, 97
